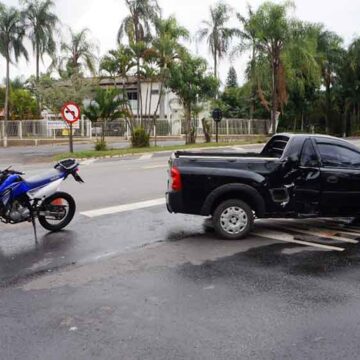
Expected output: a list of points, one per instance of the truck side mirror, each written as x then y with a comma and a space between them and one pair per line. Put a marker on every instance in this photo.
292, 159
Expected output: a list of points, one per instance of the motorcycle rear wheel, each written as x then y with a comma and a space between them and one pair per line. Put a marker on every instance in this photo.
61, 208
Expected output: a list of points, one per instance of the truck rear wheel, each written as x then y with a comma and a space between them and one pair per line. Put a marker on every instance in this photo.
233, 219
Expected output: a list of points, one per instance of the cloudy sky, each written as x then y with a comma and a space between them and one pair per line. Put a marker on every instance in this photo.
103, 17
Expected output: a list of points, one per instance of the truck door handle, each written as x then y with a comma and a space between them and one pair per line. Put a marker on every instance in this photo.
332, 179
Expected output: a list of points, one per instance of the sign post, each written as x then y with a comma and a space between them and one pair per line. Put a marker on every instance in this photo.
70, 112
217, 115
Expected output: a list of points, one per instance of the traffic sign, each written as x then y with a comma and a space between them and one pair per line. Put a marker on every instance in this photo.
217, 115
70, 112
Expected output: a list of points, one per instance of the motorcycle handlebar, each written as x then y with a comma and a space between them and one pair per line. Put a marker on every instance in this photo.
11, 172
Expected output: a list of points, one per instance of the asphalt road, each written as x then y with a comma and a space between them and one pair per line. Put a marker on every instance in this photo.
22, 155
145, 284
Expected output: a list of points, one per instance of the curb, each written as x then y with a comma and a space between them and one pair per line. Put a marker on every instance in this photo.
106, 157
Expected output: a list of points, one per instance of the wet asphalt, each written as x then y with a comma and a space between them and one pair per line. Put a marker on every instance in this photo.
146, 284
257, 304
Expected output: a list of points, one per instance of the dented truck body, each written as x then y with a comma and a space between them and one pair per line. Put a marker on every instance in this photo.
294, 176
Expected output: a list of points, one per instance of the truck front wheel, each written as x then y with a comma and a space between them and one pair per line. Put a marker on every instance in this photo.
233, 219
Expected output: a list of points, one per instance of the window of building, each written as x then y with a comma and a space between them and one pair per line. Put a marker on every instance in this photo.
132, 95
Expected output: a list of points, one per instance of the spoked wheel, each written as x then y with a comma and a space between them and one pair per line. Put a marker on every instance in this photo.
233, 219
57, 211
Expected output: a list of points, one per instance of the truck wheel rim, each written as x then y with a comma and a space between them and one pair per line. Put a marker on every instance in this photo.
234, 220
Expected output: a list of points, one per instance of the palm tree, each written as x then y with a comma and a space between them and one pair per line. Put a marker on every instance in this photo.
273, 32
137, 27
119, 63
330, 57
248, 41
106, 106
12, 32
79, 53
303, 74
41, 24
165, 49
217, 34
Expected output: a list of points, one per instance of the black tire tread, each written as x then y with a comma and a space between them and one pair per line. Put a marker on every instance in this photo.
70, 215
219, 210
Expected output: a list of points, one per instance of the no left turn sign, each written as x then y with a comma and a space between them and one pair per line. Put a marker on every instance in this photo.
70, 112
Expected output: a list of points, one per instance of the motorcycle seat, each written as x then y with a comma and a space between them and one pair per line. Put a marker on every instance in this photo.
36, 181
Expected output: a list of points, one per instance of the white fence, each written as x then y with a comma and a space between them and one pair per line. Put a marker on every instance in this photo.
178, 128
42, 129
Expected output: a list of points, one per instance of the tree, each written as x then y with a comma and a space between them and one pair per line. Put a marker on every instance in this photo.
137, 27
302, 71
12, 34
216, 33
272, 31
55, 93
79, 53
119, 63
330, 57
191, 82
106, 105
248, 41
41, 24
22, 105
164, 51
231, 81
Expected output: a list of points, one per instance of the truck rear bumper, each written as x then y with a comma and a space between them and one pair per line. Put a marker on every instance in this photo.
174, 201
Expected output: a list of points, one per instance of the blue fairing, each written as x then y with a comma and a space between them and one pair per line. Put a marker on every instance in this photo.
12, 179
20, 187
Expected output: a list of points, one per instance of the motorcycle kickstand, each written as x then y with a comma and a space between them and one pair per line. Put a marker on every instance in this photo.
34, 227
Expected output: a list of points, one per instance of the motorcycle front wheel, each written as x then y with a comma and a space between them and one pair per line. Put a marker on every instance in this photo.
57, 211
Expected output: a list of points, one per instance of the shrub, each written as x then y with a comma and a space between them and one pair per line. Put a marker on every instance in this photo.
140, 138
100, 145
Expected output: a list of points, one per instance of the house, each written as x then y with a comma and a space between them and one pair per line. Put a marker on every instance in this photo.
150, 96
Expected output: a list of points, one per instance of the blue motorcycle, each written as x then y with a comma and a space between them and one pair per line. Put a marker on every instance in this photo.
38, 197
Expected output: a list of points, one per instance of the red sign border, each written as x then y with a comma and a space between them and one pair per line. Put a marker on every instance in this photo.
65, 106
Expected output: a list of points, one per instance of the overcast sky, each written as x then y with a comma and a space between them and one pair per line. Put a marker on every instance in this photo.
103, 17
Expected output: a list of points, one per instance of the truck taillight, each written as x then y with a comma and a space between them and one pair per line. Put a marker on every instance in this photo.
176, 184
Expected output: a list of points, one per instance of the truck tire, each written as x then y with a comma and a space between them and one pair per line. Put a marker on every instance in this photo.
233, 219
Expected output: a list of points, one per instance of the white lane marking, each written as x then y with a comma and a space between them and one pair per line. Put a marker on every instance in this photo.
315, 232
87, 162
290, 239
146, 157
155, 167
123, 208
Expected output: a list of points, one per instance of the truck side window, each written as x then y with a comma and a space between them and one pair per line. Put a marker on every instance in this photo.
338, 156
308, 155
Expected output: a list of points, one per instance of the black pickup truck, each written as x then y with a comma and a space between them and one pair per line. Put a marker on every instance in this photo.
294, 176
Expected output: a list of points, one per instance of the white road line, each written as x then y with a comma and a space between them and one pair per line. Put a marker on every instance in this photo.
290, 239
123, 208
146, 157
155, 167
